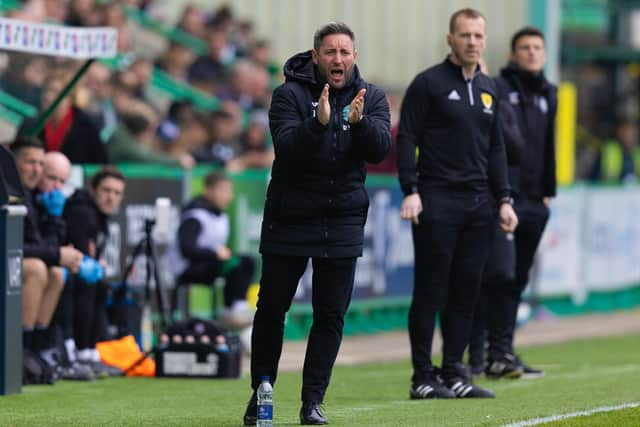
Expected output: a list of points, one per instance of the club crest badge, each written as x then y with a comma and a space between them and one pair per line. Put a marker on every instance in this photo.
487, 102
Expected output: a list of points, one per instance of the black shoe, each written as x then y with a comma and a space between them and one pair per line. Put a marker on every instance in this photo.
506, 366
251, 413
311, 414
432, 388
75, 372
460, 387
527, 371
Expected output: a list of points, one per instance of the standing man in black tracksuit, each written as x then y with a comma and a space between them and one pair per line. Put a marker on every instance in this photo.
528, 103
450, 113
326, 122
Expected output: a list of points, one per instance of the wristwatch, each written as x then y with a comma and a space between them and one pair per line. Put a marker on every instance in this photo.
506, 199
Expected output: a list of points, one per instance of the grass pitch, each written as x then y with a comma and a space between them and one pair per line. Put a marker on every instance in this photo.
580, 376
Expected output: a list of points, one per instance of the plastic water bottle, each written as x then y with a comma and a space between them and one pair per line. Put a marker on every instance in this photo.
265, 403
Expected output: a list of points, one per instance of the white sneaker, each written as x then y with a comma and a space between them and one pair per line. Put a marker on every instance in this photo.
237, 318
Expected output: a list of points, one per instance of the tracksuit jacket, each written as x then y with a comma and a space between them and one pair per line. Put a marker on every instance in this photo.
528, 105
454, 123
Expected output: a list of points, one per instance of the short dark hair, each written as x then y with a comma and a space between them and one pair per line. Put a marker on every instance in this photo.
524, 32
23, 141
214, 178
104, 173
332, 28
467, 13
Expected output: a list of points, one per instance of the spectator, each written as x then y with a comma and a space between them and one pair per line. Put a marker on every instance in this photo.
256, 149
83, 13
192, 21
619, 160
222, 146
25, 76
133, 142
143, 70
208, 72
176, 61
43, 262
100, 105
241, 88
68, 129
200, 253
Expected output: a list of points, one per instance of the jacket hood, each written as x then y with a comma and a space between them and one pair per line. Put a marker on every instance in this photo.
530, 81
80, 197
300, 68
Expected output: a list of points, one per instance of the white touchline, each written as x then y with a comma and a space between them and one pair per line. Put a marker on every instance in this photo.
537, 421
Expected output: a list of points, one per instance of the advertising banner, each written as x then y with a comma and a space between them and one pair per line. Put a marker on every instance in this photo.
58, 40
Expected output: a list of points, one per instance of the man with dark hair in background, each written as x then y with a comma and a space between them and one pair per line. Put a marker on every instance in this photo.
43, 262
450, 113
326, 122
88, 213
528, 103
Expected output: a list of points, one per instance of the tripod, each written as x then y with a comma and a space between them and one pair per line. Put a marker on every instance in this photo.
146, 246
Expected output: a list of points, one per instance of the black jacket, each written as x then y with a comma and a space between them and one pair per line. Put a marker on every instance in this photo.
82, 144
316, 201
453, 122
530, 102
87, 227
35, 245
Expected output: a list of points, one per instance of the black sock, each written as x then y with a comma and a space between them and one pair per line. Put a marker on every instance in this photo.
40, 338
27, 338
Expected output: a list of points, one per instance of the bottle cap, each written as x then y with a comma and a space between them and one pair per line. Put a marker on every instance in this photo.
265, 378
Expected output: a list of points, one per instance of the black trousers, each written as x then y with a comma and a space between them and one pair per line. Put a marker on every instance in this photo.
332, 284
451, 245
63, 318
237, 280
90, 313
504, 281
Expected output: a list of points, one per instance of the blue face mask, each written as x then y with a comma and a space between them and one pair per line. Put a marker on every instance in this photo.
53, 201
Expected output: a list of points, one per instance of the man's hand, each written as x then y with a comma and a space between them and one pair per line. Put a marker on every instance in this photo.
546, 201
356, 109
508, 218
411, 208
224, 253
70, 258
323, 112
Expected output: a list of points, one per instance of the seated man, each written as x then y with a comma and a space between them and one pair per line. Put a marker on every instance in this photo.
49, 201
200, 254
42, 272
91, 210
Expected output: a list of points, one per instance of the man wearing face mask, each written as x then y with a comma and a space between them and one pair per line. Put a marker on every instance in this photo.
326, 122
529, 134
453, 194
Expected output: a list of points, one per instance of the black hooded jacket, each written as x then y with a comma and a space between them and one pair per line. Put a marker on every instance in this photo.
316, 201
86, 225
529, 104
